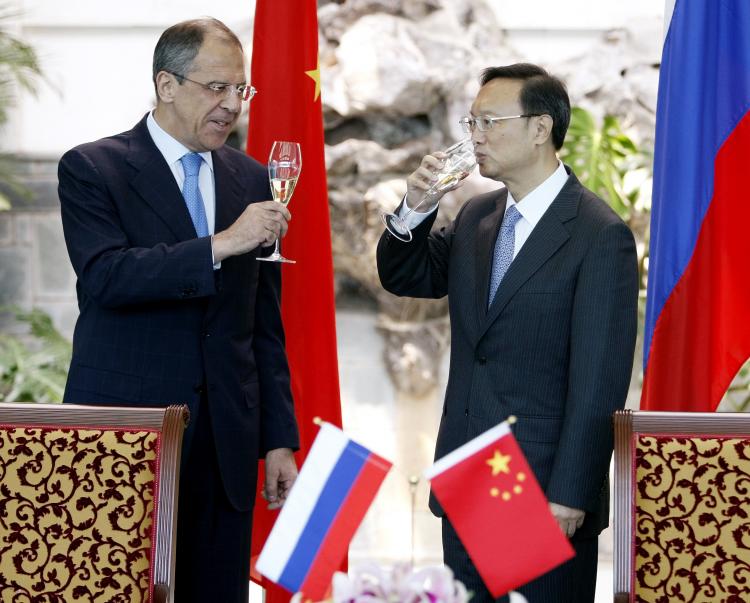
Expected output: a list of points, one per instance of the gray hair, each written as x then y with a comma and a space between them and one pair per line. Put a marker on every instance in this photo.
179, 45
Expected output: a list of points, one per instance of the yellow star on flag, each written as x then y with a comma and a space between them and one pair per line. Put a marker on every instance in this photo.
499, 463
315, 75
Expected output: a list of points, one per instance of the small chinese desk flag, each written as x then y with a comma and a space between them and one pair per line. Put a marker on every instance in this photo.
498, 510
333, 491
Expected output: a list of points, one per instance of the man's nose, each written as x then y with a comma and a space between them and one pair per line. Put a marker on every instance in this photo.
231, 101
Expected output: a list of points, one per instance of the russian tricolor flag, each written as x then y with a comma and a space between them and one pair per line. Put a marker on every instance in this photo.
697, 333
332, 493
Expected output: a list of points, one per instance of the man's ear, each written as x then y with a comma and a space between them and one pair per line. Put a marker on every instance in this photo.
543, 131
166, 86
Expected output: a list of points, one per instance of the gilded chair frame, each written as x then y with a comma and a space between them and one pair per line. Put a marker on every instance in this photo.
170, 421
626, 424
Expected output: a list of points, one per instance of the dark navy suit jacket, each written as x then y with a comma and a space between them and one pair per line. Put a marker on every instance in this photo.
158, 325
555, 348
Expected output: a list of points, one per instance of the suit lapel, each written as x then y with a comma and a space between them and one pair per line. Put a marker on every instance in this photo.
486, 236
547, 237
155, 183
228, 191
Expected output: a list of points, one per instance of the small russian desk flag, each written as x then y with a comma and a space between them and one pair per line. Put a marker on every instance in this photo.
311, 536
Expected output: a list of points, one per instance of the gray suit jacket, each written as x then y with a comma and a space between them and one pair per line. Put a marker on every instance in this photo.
555, 348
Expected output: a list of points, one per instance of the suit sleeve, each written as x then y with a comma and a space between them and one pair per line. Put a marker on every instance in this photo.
278, 427
418, 268
603, 332
109, 269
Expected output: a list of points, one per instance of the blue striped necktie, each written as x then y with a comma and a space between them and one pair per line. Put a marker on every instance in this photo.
191, 164
503, 256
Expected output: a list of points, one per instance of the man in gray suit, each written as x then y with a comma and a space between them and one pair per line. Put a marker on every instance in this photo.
542, 283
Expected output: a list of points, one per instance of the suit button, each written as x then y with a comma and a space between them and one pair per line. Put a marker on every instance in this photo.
206, 335
199, 389
466, 412
482, 359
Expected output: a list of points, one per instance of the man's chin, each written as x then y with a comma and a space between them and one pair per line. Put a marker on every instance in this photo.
487, 172
211, 143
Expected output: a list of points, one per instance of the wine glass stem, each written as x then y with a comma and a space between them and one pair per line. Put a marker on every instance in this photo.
276, 248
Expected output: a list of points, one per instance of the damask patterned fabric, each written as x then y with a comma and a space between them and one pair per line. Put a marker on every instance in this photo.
691, 527
77, 514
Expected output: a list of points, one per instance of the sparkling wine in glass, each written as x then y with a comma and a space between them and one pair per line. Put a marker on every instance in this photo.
458, 164
284, 167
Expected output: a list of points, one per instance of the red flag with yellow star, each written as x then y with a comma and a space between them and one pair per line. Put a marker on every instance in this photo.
498, 510
286, 72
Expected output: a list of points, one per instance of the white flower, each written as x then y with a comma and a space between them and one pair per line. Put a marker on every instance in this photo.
370, 583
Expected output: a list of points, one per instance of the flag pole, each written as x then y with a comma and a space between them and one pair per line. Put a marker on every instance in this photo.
413, 482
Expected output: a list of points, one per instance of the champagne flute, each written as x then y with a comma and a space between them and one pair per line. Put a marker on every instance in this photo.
458, 164
284, 167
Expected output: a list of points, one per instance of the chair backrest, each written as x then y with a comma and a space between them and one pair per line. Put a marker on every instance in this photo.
682, 507
88, 500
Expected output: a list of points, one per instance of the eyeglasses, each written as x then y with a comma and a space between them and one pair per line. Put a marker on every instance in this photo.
243, 91
483, 123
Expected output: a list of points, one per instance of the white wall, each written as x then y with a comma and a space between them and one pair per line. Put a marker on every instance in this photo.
543, 30
97, 58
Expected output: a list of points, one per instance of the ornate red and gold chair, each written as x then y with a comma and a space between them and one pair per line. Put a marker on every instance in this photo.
682, 507
88, 502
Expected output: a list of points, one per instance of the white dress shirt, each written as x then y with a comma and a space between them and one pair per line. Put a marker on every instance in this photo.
531, 207
173, 150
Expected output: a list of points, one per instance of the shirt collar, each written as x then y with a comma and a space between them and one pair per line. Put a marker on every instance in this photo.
538, 201
170, 147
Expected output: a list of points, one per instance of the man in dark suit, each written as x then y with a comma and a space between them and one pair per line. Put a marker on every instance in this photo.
164, 224
541, 278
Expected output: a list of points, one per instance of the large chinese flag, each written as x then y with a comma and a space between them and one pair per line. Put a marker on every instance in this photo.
499, 511
697, 332
285, 71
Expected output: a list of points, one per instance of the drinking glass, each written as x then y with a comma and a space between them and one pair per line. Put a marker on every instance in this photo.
284, 167
458, 164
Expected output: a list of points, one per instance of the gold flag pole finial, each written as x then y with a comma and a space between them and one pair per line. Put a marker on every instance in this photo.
511, 419
318, 421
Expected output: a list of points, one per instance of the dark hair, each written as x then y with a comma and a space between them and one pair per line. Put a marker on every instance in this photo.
541, 93
179, 45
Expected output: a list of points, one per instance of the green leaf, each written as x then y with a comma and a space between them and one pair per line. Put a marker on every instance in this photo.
19, 68
601, 156
34, 368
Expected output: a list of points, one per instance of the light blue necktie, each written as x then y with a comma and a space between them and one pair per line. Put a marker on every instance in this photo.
191, 164
504, 246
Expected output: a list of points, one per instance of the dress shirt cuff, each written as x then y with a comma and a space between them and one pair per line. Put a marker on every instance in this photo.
216, 264
415, 218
